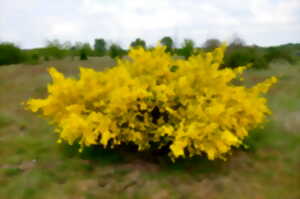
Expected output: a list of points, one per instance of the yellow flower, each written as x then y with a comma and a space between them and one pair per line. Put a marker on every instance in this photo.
177, 148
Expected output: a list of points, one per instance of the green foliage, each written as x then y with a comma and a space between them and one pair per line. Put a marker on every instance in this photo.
138, 43
187, 48
54, 52
238, 56
275, 53
100, 47
10, 172
83, 55
87, 48
168, 42
174, 68
238, 52
5, 121
81, 48
10, 54
54, 49
33, 59
116, 50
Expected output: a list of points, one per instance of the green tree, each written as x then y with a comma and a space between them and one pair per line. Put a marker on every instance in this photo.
10, 54
241, 56
100, 47
54, 49
138, 43
187, 48
115, 50
83, 55
273, 53
87, 48
168, 42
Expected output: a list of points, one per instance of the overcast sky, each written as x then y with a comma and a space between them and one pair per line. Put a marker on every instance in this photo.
30, 23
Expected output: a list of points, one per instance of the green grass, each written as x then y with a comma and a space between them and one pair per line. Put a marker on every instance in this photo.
34, 166
5, 120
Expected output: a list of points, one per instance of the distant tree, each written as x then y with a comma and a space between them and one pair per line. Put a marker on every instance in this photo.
168, 42
54, 42
238, 54
35, 58
138, 43
10, 54
87, 48
67, 45
211, 44
187, 48
237, 42
115, 50
73, 52
83, 55
77, 46
276, 53
241, 56
100, 47
54, 49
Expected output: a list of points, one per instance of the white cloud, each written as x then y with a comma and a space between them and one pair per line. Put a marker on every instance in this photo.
265, 22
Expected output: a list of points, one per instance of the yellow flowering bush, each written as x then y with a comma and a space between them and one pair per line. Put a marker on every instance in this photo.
151, 99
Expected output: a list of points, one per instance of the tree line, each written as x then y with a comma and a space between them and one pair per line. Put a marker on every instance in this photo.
238, 52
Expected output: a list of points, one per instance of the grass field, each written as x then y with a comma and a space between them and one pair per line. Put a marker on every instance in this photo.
34, 166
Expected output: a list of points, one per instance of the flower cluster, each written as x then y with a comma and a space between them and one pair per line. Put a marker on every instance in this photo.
151, 99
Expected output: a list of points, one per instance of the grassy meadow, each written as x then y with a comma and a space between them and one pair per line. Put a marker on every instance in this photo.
34, 166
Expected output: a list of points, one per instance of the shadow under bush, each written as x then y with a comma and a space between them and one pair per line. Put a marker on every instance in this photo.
129, 154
